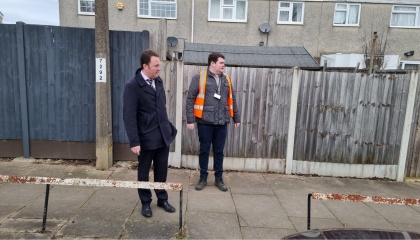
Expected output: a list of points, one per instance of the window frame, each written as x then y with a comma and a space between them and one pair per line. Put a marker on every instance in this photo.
150, 10
85, 13
404, 62
347, 15
290, 13
416, 20
233, 13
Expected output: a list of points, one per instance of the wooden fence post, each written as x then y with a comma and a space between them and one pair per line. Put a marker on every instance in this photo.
292, 119
408, 120
22, 89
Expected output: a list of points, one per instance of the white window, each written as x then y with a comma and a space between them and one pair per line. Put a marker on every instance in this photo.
290, 13
405, 16
87, 7
346, 14
228, 10
157, 9
409, 65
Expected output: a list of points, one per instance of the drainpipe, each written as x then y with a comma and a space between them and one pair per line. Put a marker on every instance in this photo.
192, 22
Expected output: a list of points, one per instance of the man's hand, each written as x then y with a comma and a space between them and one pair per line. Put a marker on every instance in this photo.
136, 150
237, 124
190, 126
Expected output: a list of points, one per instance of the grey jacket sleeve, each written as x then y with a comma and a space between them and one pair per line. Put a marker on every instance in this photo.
192, 95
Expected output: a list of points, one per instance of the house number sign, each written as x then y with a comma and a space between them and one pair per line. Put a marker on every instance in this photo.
100, 70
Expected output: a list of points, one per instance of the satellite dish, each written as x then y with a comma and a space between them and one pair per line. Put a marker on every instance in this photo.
172, 41
265, 27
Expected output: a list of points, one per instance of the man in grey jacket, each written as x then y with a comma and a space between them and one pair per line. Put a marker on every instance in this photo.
211, 103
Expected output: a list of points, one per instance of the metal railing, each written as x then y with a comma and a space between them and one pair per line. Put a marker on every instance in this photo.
92, 183
358, 198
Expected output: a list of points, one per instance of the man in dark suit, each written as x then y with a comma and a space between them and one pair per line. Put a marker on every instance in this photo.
148, 128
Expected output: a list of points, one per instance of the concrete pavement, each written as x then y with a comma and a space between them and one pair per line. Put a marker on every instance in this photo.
257, 205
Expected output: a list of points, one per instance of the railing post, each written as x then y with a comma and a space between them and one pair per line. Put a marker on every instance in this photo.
180, 212
44, 218
309, 211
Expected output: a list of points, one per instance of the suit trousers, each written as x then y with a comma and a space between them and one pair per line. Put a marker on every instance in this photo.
159, 157
211, 135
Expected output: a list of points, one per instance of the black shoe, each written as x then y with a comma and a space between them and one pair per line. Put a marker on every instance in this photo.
146, 211
166, 206
221, 185
200, 185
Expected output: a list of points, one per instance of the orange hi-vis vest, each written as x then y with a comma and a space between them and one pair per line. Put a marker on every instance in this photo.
199, 101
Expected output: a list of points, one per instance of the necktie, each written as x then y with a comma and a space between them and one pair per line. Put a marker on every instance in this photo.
150, 82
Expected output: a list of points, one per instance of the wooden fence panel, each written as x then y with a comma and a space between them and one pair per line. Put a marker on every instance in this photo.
360, 117
263, 99
10, 120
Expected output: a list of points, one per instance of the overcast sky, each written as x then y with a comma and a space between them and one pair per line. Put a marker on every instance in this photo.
40, 12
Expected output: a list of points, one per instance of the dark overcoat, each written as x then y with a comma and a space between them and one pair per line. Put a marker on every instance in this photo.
145, 116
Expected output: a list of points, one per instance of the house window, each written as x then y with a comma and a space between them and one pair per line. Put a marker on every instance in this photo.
87, 7
228, 10
409, 65
290, 13
157, 9
346, 14
405, 16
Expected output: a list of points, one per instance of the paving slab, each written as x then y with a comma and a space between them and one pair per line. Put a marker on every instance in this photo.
249, 183
17, 235
95, 223
413, 227
206, 225
50, 170
6, 210
400, 189
20, 194
368, 188
357, 215
416, 208
288, 182
124, 174
86, 171
14, 169
265, 233
396, 213
111, 197
260, 211
301, 223
147, 230
63, 202
210, 199
30, 225
326, 185
295, 203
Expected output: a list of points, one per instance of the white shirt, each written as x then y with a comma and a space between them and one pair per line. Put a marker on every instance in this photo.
147, 78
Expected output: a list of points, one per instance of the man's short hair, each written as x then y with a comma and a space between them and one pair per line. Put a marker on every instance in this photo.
146, 57
214, 56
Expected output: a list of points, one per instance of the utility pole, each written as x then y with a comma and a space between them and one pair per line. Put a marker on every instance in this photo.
372, 51
104, 149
